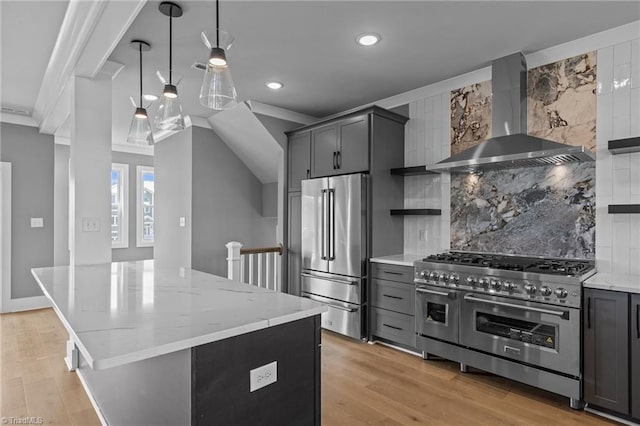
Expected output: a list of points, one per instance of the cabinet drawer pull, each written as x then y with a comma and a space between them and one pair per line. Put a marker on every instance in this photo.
393, 297
393, 326
588, 312
334, 160
308, 173
338, 160
393, 273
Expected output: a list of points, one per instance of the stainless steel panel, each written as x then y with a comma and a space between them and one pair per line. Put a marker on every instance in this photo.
392, 272
335, 287
565, 357
314, 227
562, 385
444, 326
347, 225
341, 317
394, 296
393, 326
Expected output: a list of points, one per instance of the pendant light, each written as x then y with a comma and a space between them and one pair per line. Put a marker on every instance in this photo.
140, 130
169, 115
218, 91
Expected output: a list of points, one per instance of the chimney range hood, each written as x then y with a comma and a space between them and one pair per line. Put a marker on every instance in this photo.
511, 147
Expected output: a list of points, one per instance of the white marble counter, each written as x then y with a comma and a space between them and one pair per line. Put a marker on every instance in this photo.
616, 282
124, 312
397, 259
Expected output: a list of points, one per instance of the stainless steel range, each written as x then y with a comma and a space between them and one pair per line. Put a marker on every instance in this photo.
518, 317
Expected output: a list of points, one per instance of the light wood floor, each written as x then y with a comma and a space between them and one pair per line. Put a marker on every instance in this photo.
362, 384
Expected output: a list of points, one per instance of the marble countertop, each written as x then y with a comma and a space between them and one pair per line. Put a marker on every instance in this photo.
122, 312
616, 282
397, 259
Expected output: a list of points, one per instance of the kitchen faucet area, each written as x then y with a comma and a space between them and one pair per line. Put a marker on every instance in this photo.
325, 212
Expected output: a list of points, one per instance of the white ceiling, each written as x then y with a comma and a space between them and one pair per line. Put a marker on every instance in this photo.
307, 45
28, 31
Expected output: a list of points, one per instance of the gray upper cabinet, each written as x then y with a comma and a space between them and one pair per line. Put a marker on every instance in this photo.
324, 147
606, 350
341, 147
299, 159
635, 356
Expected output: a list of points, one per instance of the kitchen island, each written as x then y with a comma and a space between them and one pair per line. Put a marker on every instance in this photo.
170, 345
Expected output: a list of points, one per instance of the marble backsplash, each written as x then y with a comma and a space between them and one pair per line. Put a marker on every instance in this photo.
544, 211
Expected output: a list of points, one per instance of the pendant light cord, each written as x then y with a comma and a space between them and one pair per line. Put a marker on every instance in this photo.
170, 40
140, 47
217, 25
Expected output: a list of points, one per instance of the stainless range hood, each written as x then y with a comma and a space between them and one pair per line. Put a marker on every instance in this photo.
511, 146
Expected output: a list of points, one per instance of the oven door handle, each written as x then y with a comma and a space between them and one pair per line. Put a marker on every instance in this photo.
450, 295
561, 314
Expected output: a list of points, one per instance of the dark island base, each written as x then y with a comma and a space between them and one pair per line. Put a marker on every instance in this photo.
220, 377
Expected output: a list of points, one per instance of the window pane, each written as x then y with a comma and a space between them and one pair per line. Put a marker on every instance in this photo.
147, 205
115, 205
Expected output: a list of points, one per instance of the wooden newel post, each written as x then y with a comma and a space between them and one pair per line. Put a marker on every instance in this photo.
233, 260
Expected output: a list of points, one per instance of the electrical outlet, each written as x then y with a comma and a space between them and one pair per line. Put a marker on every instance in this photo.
37, 222
263, 376
183, 222
421, 233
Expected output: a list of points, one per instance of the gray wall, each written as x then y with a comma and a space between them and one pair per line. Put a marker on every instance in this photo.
173, 188
31, 156
227, 203
132, 252
61, 207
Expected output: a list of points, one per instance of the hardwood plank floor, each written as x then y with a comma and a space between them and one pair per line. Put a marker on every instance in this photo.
362, 384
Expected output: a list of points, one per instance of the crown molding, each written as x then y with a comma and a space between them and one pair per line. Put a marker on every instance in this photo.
23, 120
89, 32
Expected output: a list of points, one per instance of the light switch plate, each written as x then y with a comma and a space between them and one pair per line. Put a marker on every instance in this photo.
183, 222
90, 224
37, 222
263, 376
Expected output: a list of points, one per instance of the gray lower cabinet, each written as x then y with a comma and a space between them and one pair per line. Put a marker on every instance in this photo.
392, 304
635, 356
606, 350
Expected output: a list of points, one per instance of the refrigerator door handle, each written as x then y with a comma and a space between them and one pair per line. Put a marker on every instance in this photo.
332, 223
323, 232
334, 280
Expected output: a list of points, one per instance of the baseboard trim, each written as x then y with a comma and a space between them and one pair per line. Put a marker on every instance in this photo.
26, 304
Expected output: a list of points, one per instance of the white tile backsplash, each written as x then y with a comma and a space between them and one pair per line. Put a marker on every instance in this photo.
622, 53
635, 63
605, 71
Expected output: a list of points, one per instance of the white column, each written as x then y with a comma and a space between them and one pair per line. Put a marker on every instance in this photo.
233, 260
90, 171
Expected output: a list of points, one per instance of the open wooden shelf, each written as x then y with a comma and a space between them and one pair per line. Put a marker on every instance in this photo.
416, 212
624, 208
412, 171
624, 146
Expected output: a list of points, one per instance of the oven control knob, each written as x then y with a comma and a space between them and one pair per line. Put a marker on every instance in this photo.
496, 284
444, 278
424, 275
433, 276
561, 293
472, 281
484, 282
530, 289
509, 286
545, 291
454, 279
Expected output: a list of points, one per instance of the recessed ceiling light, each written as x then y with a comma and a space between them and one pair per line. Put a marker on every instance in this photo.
275, 85
368, 39
150, 97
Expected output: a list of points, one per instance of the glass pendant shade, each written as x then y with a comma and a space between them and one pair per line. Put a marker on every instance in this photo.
140, 130
169, 115
218, 91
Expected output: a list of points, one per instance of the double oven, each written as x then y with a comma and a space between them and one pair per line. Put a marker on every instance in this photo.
524, 326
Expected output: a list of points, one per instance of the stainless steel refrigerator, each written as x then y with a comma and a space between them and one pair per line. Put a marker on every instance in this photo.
335, 250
